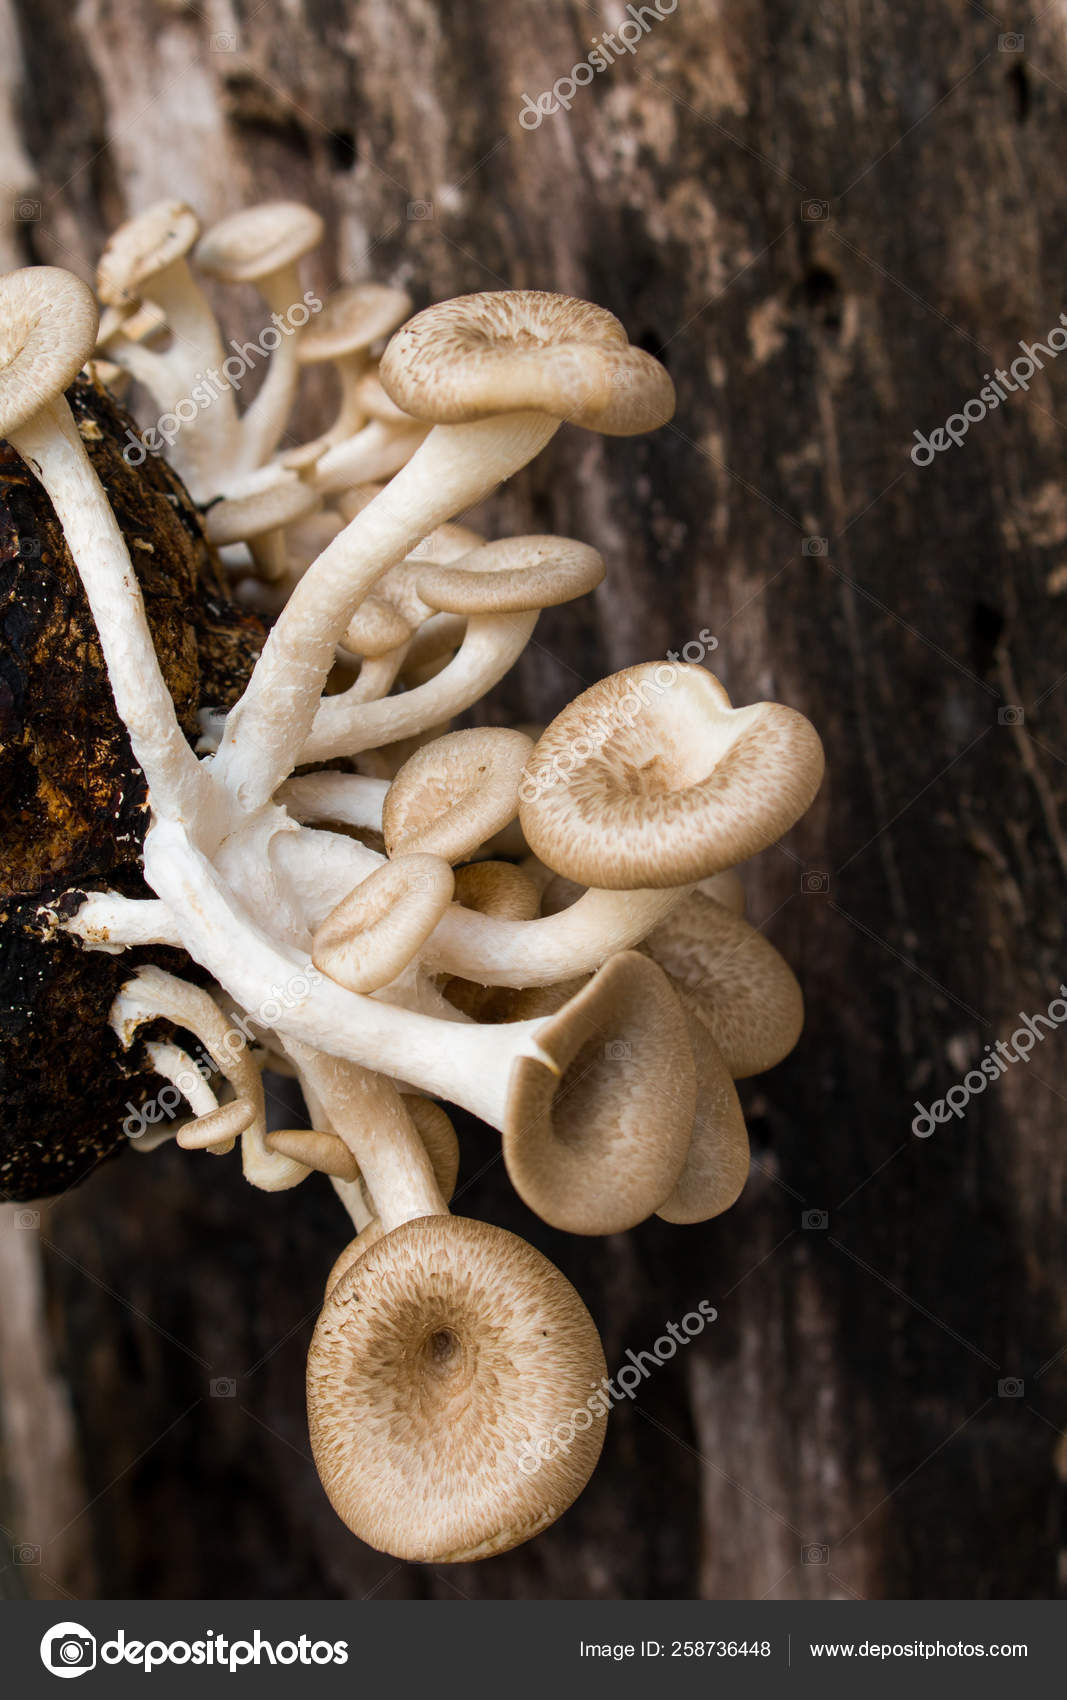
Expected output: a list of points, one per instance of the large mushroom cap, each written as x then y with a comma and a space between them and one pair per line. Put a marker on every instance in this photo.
48, 322
449, 1381
515, 350
142, 248
739, 985
595, 1135
259, 240
358, 315
650, 779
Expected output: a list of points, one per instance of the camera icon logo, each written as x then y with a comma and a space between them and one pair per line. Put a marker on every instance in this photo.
1011, 43
29, 1219
419, 210
27, 211
224, 41
812, 211
26, 1554
815, 1219
1010, 1388
815, 1554
815, 546
30, 548
621, 379
1013, 715
617, 1050
224, 1387
814, 884
68, 1650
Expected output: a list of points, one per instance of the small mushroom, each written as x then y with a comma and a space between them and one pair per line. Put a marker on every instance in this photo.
258, 515
455, 793
382, 924
651, 778
448, 1354
716, 1165
354, 318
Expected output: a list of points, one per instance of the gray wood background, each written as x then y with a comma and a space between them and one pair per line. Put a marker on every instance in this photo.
843, 1429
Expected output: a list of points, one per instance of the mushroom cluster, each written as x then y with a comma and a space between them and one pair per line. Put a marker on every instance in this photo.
544, 930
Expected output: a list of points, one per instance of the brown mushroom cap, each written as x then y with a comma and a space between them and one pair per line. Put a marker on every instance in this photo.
353, 1251
324, 1152
455, 792
142, 248
448, 1356
373, 933
253, 243
726, 888
716, 1167
376, 404
511, 576
595, 1139
48, 323
497, 888
356, 316
518, 350
650, 779
734, 978
329, 1155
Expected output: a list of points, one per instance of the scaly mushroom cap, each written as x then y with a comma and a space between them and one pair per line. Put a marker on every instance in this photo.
48, 323
374, 402
449, 1355
519, 350
353, 318
142, 248
509, 577
596, 1142
734, 978
455, 792
650, 779
384, 921
716, 1167
259, 240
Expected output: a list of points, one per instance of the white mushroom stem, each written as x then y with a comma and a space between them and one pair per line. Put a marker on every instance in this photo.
110, 922
365, 1110
153, 994
493, 952
177, 1066
469, 1065
491, 646
260, 427
351, 1195
350, 799
455, 467
50, 442
376, 451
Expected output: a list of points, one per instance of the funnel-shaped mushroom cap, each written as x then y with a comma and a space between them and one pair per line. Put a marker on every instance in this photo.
716, 1167
449, 1382
144, 247
520, 350
650, 779
512, 576
596, 1135
454, 793
384, 921
259, 240
48, 323
354, 318
735, 980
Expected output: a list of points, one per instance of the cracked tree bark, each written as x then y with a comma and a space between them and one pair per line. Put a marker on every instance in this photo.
847, 1398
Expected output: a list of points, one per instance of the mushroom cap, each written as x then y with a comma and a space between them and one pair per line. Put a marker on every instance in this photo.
726, 888
257, 241
326, 1153
142, 248
488, 1004
368, 1236
373, 933
517, 350
497, 888
354, 317
440, 1372
376, 627
716, 1167
373, 401
650, 779
397, 590
280, 503
455, 792
48, 321
329, 1155
595, 1142
733, 977
511, 576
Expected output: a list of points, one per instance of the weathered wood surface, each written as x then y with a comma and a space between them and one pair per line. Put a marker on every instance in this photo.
848, 1395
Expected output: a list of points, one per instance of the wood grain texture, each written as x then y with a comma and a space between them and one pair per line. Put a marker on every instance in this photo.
847, 1397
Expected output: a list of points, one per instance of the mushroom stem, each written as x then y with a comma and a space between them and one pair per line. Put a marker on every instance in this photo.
495, 952
177, 1066
349, 799
365, 1110
260, 427
108, 921
50, 442
345, 726
456, 466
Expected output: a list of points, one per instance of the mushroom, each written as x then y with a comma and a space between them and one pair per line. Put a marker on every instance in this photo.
48, 322
651, 778
740, 986
264, 245
460, 367
455, 793
716, 1165
380, 926
354, 318
447, 1353
258, 515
